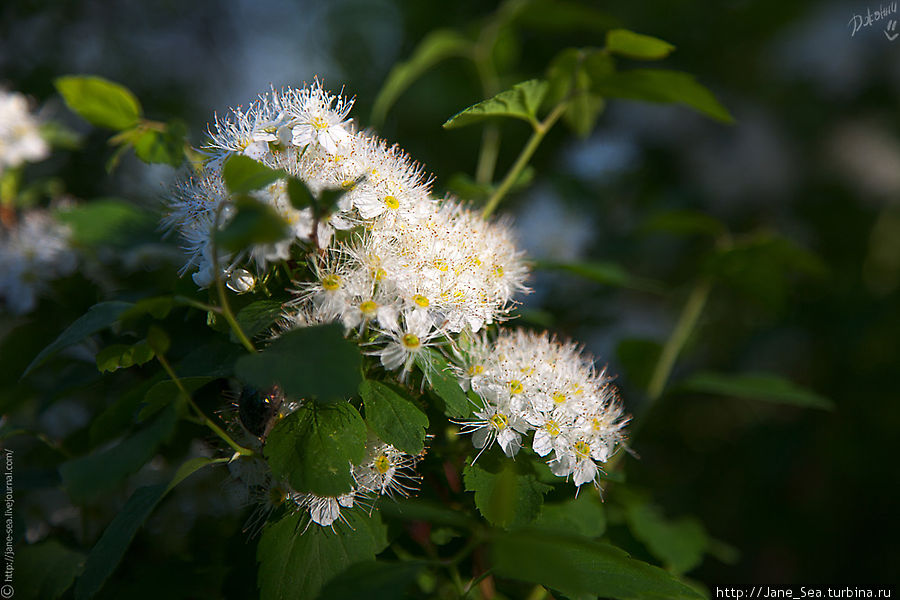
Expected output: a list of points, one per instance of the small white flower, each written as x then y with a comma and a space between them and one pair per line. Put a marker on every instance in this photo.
322, 118
20, 138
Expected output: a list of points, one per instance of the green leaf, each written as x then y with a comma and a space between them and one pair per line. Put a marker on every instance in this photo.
685, 223
636, 45
166, 392
607, 273
562, 16
254, 223
437, 46
258, 316
299, 194
122, 356
568, 78
582, 113
444, 384
582, 516
760, 266
679, 543
87, 477
157, 307
296, 561
164, 147
158, 339
242, 174
520, 102
107, 553
581, 567
396, 420
508, 496
659, 85
307, 362
46, 570
313, 447
105, 222
638, 358
99, 316
375, 580
756, 386
100, 101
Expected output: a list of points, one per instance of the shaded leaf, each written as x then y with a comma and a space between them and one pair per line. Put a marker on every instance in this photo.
756, 386
107, 553
86, 477
658, 85
99, 316
157, 307
242, 174
375, 580
580, 567
435, 47
685, 222
294, 563
583, 516
106, 221
678, 543
254, 223
636, 45
300, 195
100, 101
607, 273
520, 102
396, 420
258, 316
307, 362
444, 384
166, 392
46, 570
562, 16
508, 496
122, 356
313, 447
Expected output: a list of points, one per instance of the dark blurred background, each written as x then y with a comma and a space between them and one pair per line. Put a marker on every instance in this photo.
805, 496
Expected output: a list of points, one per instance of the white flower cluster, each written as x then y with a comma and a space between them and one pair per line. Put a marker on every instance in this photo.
33, 252
534, 383
20, 138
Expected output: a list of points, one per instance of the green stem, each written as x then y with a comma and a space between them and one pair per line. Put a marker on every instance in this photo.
220, 287
487, 157
201, 416
687, 321
540, 130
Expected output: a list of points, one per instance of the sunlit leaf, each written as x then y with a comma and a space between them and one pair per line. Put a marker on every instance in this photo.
520, 102
313, 447
100, 101
242, 174
445, 384
396, 420
636, 45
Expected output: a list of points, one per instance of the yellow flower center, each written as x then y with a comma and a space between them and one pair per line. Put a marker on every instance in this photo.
558, 397
411, 341
441, 265
552, 428
380, 274
499, 421
582, 449
499, 271
318, 123
382, 464
475, 370
391, 202
515, 387
348, 184
421, 300
368, 307
331, 282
